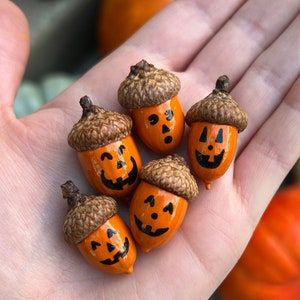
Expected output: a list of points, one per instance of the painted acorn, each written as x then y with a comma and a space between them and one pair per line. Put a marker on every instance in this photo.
106, 149
150, 94
160, 201
214, 124
100, 234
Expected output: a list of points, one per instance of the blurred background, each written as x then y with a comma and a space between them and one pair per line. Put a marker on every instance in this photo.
70, 36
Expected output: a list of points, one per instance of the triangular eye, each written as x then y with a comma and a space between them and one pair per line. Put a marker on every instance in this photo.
203, 137
94, 245
110, 232
169, 208
219, 138
150, 200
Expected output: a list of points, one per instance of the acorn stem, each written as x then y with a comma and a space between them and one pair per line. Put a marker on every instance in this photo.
222, 84
143, 65
86, 104
70, 192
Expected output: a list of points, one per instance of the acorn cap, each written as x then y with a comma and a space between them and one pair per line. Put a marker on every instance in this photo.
147, 86
86, 212
171, 174
218, 108
98, 127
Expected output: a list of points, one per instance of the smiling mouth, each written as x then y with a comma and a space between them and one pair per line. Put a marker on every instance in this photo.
203, 160
148, 229
117, 256
119, 184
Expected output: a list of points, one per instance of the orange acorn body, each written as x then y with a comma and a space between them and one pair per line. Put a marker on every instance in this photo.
100, 234
214, 126
160, 202
106, 150
150, 95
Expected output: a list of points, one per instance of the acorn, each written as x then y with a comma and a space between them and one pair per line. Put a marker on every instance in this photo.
160, 201
150, 95
214, 124
100, 234
106, 150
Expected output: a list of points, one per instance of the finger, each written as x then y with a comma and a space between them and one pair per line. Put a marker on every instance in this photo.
178, 32
270, 155
268, 80
14, 50
242, 38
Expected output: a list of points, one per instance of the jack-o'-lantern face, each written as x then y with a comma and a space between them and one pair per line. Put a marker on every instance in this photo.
113, 169
110, 247
155, 215
160, 127
211, 149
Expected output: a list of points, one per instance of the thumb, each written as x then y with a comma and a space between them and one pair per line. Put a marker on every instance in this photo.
14, 50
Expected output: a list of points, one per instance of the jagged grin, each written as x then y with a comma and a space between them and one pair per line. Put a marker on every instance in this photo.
148, 228
203, 160
119, 184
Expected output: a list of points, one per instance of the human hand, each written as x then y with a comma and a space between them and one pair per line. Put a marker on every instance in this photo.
257, 44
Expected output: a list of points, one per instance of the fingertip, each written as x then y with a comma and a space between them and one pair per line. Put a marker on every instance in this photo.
14, 50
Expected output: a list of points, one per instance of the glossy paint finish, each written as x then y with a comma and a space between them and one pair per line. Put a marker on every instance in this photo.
160, 127
113, 169
211, 148
110, 248
155, 215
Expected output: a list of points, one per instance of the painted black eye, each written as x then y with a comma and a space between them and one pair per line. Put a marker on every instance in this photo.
106, 155
121, 149
94, 245
110, 233
153, 119
169, 207
150, 200
169, 113
219, 138
203, 137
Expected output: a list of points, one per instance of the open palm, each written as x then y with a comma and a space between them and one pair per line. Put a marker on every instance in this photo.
257, 44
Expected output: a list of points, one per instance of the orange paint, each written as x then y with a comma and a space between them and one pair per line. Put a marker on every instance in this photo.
270, 266
155, 215
110, 248
211, 148
160, 127
113, 169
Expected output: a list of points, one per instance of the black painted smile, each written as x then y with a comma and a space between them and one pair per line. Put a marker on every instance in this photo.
119, 184
148, 229
119, 254
203, 160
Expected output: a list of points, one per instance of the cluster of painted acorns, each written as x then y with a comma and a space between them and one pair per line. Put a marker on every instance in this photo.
161, 189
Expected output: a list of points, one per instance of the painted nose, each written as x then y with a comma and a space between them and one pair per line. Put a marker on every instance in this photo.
120, 164
154, 216
165, 129
110, 247
210, 147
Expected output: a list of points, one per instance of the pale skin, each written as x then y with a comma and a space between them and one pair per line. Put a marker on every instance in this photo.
257, 44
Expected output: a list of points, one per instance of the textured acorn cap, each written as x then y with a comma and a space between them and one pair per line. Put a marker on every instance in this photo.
147, 86
171, 174
86, 212
218, 108
98, 127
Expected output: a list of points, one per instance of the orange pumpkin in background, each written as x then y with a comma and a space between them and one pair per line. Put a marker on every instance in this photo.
119, 19
270, 266
106, 150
